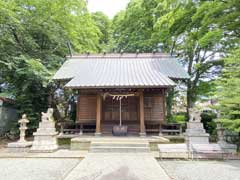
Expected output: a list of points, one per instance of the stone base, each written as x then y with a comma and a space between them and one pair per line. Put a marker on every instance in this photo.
207, 151
142, 134
44, 149
44, 144
197, 138
228, 148
98, 134
173, 151
195, 134
195, 151
19, 146
119, 146
80, 144
45, 139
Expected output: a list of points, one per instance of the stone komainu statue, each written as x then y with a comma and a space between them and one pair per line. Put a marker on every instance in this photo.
194, 115
48, 116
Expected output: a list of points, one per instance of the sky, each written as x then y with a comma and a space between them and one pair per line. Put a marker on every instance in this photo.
108, 7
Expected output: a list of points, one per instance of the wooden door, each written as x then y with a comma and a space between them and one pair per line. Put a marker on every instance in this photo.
129, 110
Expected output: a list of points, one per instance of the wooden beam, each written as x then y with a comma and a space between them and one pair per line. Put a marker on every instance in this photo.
98, 115
141, 111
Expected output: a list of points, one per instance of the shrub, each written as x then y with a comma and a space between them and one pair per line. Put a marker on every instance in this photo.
208, 122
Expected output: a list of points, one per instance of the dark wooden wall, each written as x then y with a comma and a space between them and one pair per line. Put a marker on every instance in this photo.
153, 108
86, 108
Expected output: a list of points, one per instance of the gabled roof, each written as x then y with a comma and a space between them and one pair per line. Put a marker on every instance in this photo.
120, 71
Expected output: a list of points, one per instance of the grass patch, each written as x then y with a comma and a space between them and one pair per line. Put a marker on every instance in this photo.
64, 142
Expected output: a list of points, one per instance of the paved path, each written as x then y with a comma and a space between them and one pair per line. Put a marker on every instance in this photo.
202, 170
118, 166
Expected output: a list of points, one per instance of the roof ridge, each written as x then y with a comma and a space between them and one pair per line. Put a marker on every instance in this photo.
121, 55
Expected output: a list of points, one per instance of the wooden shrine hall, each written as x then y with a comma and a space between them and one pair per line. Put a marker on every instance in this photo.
121, 92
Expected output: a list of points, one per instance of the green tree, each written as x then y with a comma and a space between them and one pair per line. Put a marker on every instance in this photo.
228, 92
182, 29
132, 28
104, 25
33, 44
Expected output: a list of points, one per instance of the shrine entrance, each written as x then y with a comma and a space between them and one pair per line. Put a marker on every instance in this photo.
129, 108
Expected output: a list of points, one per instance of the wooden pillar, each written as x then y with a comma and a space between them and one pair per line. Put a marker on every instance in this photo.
164, 105
141, 111
164, 112
77, 115
98, 115
78, 107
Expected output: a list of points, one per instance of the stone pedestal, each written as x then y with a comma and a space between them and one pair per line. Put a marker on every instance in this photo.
45, 139
142, 134
228, 148
197, 139
197, 142
19, 146
196, 134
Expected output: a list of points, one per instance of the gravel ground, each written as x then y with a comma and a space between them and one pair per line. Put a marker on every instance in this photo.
35, 168
202, 170
56, 169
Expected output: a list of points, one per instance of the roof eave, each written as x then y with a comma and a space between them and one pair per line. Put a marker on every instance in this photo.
179, 78
115, 87
62, 79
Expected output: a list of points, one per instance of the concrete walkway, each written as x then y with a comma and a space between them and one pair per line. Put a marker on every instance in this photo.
119, 166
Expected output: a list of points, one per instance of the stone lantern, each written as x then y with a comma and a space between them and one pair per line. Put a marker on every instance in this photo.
220, 132
23, 127
21, 145
226, 147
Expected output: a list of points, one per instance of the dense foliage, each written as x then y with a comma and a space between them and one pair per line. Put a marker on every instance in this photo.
104, 25
199, 32
34, 39
228, 92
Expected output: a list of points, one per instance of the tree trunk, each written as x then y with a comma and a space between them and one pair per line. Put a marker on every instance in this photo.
190, 97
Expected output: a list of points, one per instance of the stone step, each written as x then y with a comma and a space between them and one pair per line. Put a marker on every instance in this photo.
125, 149
120, 139
119, 144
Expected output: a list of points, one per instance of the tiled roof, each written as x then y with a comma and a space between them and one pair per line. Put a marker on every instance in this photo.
120, 70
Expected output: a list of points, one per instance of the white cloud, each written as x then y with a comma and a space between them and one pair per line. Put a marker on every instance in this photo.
108, 7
